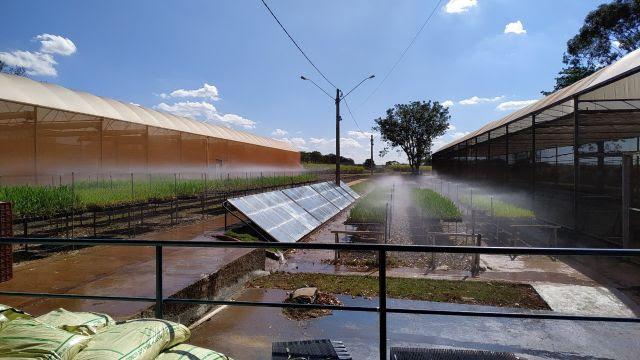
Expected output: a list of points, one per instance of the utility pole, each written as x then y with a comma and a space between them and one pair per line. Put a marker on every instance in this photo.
371, 154
338, 119
337, 100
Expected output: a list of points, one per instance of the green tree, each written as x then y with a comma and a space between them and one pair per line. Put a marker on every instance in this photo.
412, 128
368, 163
608, 33
15, 70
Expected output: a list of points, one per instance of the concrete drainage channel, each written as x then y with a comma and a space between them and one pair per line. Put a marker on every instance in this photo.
214, 286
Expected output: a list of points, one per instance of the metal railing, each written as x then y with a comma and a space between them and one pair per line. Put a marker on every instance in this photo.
382, 309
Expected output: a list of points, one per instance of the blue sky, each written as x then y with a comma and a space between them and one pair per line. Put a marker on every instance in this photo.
162, 53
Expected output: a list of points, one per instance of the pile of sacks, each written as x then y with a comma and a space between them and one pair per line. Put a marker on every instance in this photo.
65, 335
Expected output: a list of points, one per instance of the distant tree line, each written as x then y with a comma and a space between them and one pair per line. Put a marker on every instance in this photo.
316, 157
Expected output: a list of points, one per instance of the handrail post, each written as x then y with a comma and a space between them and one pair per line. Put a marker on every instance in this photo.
475, 271
159, 297
336, 253
382, 299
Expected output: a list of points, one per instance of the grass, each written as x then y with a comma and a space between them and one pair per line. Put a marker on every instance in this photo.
244, 234
89, 195
500, 208
370, 208
462, 292
435, 205
345, 169
362, 187
406, 168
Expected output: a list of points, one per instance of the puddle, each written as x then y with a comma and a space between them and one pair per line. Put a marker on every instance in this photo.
247, 333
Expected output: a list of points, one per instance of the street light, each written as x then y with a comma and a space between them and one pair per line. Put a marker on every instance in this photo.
339, 97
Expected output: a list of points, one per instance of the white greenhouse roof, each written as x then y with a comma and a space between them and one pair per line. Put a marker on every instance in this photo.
597, 86
25, 91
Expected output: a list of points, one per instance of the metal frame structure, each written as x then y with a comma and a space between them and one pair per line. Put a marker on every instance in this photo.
567, 145
382, 249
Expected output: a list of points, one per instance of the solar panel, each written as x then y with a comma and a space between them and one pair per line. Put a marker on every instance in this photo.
290, 214
349, 190
312, 202
329, 191
277, 215
344, 193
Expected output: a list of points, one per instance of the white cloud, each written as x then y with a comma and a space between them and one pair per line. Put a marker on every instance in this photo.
360, 134
447, 103
515, 27
344, 142
205, 111
448, 137
55, 44
514, 105
35, 63
319, 141
460, 6
298, 142
459, 134
206, 91
135, 104
349, 143
233, 119
279, 132
474, 100
42, 62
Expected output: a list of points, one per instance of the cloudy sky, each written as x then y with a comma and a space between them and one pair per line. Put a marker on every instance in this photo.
228, 62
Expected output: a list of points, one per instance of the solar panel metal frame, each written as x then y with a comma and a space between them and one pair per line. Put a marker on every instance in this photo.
277, 215
314, 203
349, 190
330, 192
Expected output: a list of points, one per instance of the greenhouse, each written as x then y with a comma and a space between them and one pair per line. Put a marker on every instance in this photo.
571, 156
48, 130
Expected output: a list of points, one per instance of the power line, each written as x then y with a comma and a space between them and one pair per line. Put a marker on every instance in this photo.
352, 117
415, 37
296, 44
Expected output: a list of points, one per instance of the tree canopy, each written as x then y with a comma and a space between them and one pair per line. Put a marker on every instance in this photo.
412, 128
608, 33
15, 70
316, 157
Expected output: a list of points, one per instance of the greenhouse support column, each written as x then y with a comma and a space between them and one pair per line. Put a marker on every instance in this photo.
35, 143
101, 146
576, 162
627, 166
488, 159
533, 161
533, 149
506, 151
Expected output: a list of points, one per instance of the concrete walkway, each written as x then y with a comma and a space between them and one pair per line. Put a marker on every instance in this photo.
564, 288
118, 271
582, 300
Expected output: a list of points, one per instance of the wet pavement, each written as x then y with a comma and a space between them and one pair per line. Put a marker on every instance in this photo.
247, 333
118, 271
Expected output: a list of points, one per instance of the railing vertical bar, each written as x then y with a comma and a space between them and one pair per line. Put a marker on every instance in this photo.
382, 299
159, 297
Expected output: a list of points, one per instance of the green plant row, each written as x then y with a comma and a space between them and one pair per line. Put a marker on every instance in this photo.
371, 208
500, 208
406, 168
93, 195
436, 206
345, 169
